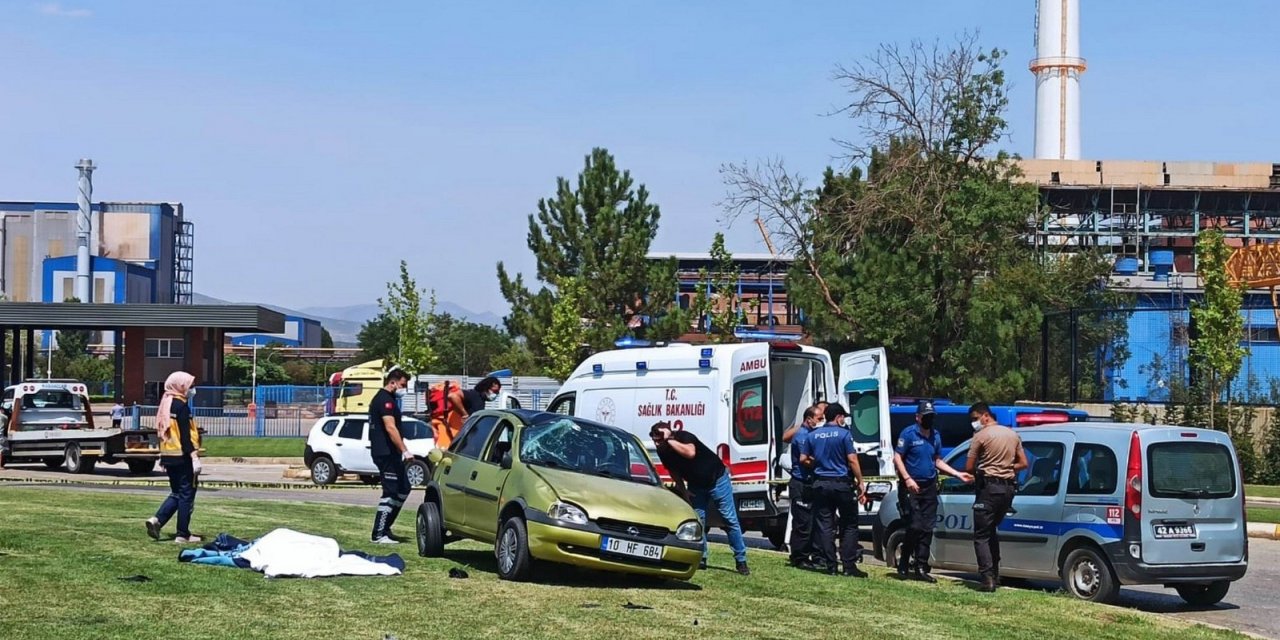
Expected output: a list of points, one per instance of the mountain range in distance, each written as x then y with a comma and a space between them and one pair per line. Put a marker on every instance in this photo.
344, 323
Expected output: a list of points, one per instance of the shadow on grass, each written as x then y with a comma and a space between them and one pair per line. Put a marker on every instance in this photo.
1151, 602
563, 575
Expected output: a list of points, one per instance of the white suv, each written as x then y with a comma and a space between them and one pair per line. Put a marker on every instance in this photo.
340, 444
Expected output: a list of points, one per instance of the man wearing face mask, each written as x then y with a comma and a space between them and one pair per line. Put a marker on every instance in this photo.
995, 458
829, 453
918, 459
800, 489
389, 453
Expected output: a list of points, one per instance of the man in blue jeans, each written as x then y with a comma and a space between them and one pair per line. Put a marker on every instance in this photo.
701, 478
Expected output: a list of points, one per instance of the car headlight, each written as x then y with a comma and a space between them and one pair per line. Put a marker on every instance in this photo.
565, 512
690, 531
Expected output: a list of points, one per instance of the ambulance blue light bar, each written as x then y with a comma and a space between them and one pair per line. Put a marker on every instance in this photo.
742, 333
628, 342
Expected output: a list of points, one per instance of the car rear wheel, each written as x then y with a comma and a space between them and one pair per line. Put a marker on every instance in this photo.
512, 550
430, 530
1204, 594
417, 473
1086, 575
323, 471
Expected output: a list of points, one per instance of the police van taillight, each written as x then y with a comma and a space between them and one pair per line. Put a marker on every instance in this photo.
1133, 478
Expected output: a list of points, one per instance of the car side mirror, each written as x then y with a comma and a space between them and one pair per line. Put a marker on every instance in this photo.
435, 456
506, 460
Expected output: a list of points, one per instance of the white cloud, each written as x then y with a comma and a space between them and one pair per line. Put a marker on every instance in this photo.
56, 9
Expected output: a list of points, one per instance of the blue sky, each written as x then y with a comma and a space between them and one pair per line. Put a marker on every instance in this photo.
316, 144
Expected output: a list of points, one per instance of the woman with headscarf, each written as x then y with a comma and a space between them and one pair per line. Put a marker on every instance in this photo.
179, 443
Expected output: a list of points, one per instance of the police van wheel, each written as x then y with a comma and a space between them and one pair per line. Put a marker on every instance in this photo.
1204, 594
430, 530
512, 550
893, 548
1086, 575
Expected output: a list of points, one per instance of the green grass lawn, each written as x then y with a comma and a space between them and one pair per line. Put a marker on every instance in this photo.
224, 447
1264, 514
62, 554
1262, 491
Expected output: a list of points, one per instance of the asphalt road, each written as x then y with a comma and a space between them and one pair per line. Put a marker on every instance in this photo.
1251, 606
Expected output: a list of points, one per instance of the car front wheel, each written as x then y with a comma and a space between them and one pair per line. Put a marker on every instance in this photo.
1086, 575
430, 530
323, 471
512, 550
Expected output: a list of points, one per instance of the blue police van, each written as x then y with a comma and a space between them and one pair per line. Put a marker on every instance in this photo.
1102, 505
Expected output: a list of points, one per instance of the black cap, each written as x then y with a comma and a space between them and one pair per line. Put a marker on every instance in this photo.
924, 408
833, 410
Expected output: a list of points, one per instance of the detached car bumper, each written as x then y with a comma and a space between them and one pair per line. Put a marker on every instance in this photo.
579, 545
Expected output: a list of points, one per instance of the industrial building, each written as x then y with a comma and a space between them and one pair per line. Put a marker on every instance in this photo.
299, 332
141, 252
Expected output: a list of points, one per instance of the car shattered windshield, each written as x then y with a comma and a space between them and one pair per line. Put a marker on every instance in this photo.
583, 447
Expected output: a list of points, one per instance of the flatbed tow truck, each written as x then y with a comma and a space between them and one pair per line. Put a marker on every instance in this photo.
51, 422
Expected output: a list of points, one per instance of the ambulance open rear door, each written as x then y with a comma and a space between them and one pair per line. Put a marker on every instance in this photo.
864, 390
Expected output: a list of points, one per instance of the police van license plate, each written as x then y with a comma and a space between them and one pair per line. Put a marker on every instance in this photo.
1175, 532
629, 548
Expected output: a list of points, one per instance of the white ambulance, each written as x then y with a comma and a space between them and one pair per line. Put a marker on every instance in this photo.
738, 399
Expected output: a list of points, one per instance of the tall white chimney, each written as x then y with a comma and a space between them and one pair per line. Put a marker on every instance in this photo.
84, 223
1057, 68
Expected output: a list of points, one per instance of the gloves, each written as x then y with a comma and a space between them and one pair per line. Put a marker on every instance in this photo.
406, 455
196, 466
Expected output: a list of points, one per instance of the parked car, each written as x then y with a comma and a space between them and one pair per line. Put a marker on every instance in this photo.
1103, 505
556, 488
340, 444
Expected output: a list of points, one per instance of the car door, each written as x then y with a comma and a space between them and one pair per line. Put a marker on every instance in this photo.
864, 389
349, 444
487, 478
1031, 532
953, 531
457, 467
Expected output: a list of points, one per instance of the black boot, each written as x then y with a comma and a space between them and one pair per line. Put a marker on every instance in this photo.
988, 584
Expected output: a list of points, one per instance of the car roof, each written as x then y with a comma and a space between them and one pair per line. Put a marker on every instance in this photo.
1106, 428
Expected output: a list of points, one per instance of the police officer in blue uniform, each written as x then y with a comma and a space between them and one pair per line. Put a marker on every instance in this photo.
800, 490
830, 454
918, 459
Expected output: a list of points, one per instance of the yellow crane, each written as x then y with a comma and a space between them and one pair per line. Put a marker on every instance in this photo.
1257, 266
764, 233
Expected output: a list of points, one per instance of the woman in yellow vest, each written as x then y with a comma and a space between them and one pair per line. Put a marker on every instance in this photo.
179, 444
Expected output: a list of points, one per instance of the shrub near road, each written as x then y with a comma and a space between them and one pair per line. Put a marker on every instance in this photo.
59, 546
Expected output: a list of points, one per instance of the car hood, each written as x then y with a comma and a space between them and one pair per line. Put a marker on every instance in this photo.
617, 499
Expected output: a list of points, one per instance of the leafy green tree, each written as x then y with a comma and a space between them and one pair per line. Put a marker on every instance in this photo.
326, 339
1216, 353
237, 371
1270, 463
466, 347
299, 372
924, 253
565, 338
598, 232
717, 298
518, 359
379, 338
412, 318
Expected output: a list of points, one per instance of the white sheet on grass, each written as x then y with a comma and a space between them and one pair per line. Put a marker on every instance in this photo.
288, 553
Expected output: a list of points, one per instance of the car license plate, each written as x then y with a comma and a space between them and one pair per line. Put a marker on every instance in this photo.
755, 504
1175, 532
629, 548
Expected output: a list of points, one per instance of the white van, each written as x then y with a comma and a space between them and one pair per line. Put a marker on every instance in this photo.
738, 399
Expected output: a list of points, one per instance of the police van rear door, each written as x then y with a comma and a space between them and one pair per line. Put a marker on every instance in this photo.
1191, 508
864, 390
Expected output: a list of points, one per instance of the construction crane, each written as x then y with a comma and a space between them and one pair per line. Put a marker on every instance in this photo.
764, 233
1257, 266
